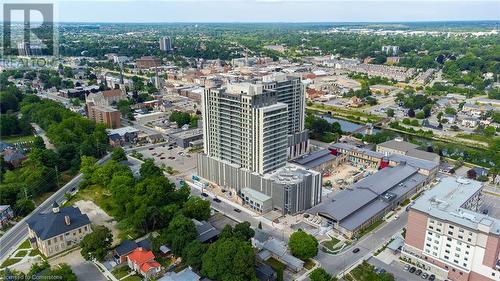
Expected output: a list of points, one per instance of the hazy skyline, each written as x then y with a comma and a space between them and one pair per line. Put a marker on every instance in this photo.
274, 11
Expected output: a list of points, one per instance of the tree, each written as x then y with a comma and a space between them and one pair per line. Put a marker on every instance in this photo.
181, 118
303, 245
420, 115
243, 231
193, 253
62, 272
197, 208
24, 207
450, 111
180, 232
411, 113
229, 259
149, 169
319, 274
390, 112
96, 244
118, 154
489, 131
88, 166
471, 174
38, 143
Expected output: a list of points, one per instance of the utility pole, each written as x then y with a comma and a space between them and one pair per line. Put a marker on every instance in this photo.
57, 176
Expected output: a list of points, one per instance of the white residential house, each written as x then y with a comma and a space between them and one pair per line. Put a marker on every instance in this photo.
470, 122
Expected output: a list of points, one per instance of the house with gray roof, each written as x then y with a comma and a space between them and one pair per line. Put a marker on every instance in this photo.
59, 230
206, 232
186, 274
278, 249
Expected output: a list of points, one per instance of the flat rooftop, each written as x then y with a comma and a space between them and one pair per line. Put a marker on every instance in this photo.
187, 134
314, 159
352, 207
445, 201
398, 145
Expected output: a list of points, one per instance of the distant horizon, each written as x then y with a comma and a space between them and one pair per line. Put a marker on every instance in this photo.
274, 22
273, 11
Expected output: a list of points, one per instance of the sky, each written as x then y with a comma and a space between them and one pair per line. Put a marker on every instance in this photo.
274, 10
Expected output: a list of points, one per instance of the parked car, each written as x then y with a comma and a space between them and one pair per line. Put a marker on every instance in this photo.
418, 272
412, 269
407, 267
355, 250
151, 148
237, 210
425, 275
204, 194
485, 211
217, 200
432, 277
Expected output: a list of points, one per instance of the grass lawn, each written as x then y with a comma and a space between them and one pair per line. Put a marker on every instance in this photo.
121, 271
364, 272
25, 245
405, 202
8, 262
133, 278
98, 195
16, 139
278, 266
21, 253
36, 252
165, 262
370, 227
330, 245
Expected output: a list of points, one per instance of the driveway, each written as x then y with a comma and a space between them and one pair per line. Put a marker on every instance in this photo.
84, 270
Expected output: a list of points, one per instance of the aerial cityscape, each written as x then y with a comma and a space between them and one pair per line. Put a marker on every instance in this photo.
250, 140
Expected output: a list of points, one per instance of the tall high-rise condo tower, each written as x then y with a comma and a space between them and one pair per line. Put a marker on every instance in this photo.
249, 132
166, 44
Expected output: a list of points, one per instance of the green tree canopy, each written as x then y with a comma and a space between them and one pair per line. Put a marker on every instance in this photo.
197, 208
303, 245
319, 274
118, 154
229, 259
96, 245
180, 232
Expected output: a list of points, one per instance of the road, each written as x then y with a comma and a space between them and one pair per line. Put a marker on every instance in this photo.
335, 264
18, 233
40, 132
368, 243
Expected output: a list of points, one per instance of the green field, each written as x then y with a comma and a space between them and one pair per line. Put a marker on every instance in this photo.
16, 139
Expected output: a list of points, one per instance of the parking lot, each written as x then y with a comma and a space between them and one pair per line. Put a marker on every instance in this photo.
84, 270
491, 203
176, 157
397, 269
